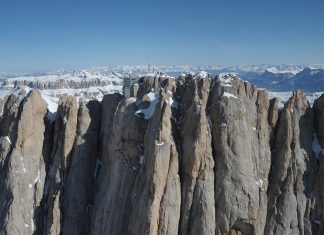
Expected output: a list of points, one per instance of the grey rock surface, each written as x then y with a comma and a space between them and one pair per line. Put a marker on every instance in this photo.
195, 155
22, 167
241, 132
78, 191
197, 163
63, 145
291, 181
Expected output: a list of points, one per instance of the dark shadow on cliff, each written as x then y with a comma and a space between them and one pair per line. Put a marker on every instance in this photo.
39, 212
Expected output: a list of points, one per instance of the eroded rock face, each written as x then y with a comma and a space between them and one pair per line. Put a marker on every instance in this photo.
141, 156
120, 155
317, 214
157, 191
194, 155
239, 117
197, 163
64, 140
291, 182
78, 193
22, 164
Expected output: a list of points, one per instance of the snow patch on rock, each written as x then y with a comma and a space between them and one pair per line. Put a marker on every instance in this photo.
20, 90
223, 125
259, 183
4, 138
159, 144
52, 105
148, 112
201, 74
228, 95
225, 79
141, 160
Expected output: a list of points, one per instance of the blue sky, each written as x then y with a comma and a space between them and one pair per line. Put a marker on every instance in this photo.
45, 35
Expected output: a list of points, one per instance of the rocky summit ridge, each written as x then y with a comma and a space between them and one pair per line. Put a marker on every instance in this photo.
193, 155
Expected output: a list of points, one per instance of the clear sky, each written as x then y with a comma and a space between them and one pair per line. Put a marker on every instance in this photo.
45, 35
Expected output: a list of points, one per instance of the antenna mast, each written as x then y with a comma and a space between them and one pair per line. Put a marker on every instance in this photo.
148, 65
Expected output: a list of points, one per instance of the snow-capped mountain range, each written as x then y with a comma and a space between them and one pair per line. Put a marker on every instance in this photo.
138, 70
92, 83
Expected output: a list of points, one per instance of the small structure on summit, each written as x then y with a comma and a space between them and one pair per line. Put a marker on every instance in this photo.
130, 86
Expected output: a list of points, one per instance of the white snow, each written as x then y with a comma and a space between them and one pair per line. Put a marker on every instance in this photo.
311, 97
276, 70
52, 105
151, 96
226, 78
23, 165
141, 160
227, 85
92, 92
254, 129
149, 111
19, 91
75, 76
223, 125
51, 96
37, 177
209, 122
228, 95
10, 90
316, 146
259, 183
172, 103
6, 91
115, 74
4, 138
32, 220
131, 100
159, 144
201, 74
283, 97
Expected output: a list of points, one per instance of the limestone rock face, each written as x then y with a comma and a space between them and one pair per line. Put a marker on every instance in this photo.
240, 129
291, 182
194, 155
22, 167
78, 186
156, 205
121, 138
197, 163
63, 143
317, 214
140, 155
